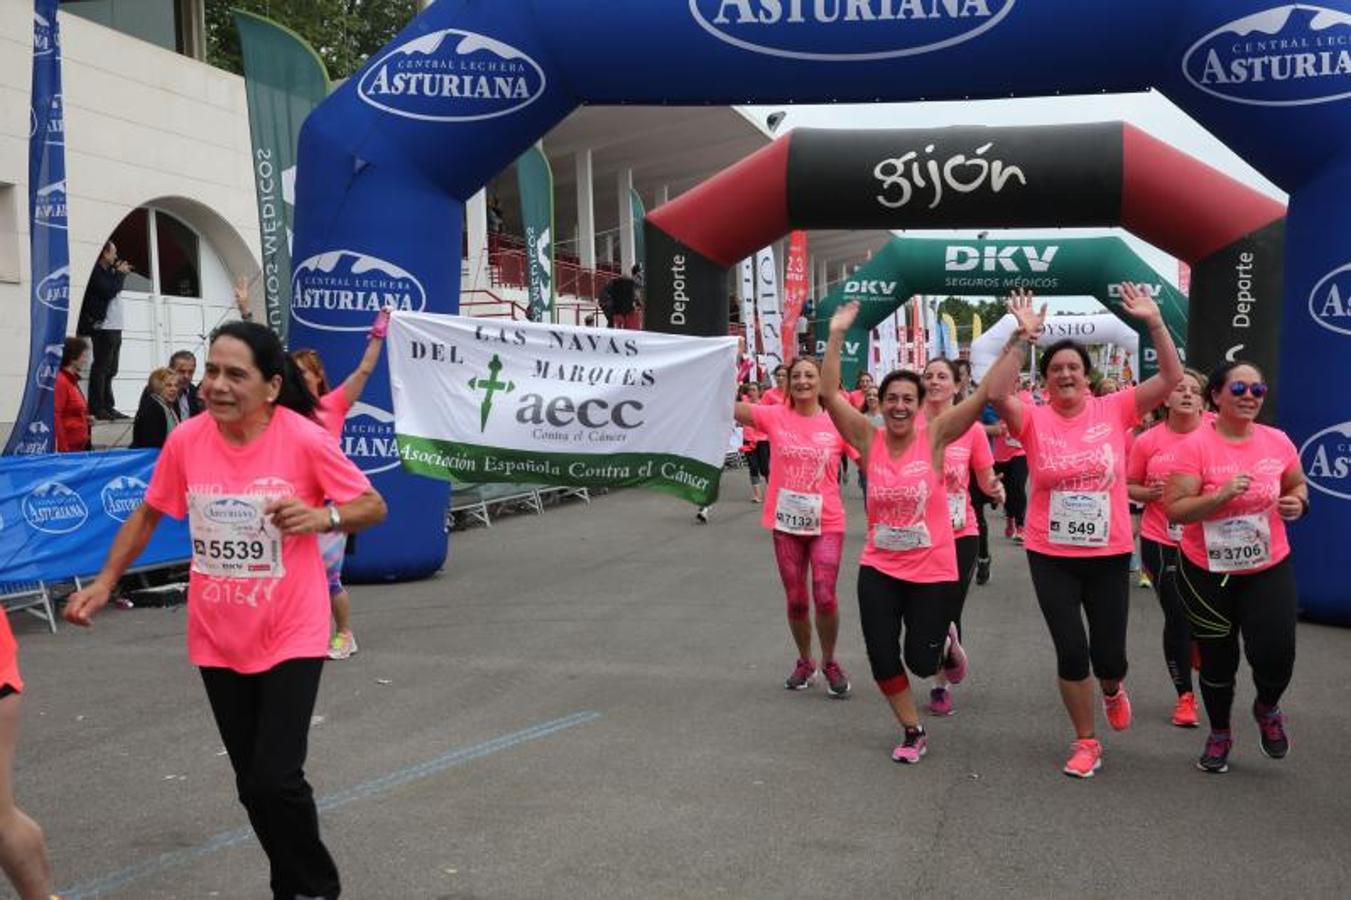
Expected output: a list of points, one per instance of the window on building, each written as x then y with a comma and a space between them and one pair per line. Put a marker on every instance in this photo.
132, 237
169, 23
179, 261
9, 233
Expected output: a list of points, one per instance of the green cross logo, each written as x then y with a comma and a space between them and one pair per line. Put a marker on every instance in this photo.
490, 386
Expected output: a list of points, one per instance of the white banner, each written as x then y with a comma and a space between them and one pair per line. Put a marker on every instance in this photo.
478, 400
767, 304
746, 284
887, 358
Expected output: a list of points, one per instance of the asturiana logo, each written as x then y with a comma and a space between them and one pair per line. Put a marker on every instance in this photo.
49, 205
54, 508
53, 291
452, 76
342, 290
368, 439
230, 511
845, 30
1326, 457
1289, 55
121, 496
38, 439
1330, 300
44, 36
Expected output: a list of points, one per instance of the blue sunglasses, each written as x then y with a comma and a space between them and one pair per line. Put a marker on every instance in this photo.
1239, 388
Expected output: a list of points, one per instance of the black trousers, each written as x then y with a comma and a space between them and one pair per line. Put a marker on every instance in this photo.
1014, 473
1072, 588
107, 346
757, 461
886, 607
979, 501
1262, 607
1160, 563
966, 570
264, 720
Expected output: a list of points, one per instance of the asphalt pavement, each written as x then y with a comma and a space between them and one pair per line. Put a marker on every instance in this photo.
589, 704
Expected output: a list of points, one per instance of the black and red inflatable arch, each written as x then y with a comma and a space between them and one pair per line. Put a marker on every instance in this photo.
1094, 175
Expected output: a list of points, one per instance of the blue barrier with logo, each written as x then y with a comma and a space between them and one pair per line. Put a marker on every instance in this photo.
387, 161
49, 250
59, 514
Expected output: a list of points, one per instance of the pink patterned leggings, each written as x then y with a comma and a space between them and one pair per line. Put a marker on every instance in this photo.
794, 553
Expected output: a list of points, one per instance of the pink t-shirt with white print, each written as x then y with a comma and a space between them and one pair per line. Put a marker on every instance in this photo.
277, 607
909, 528
1152, 458
969, 453
1077, 473
332, 412
804, 458
1223, 541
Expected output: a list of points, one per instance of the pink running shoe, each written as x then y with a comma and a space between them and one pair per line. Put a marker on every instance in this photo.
940, 701
803, 675
954, 665
837, 683
1118, 708
912, 749
1085, 760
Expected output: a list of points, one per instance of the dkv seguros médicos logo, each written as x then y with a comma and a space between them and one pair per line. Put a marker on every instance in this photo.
843, 30
1290, 55
452, 76
342, 290
54, 508
368, 439
1326, 457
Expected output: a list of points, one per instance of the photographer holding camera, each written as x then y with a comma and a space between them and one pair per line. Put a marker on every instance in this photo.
101, 321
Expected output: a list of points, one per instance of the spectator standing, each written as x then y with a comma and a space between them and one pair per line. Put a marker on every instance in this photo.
620, 302
158, 413
184, 364
71, 412
101, 321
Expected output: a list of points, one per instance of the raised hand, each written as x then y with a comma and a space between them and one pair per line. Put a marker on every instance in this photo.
1139, 304
1030, 321
242, 293
380, 327
844, 317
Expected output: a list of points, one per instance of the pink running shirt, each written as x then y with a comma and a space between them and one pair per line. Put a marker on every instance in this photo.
772, 397
332, 412
1265, 456
1007, 446
252, 624
804, 457
1082, 459
1152, 458
969, 453
908, 510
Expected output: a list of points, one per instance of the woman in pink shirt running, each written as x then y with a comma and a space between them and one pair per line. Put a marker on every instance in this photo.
908, 572
332, 414
252, 478
1078, 534
1152, 457
1234, 486
804, 512
968, 454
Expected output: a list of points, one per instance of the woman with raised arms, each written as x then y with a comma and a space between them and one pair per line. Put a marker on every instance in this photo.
908, 571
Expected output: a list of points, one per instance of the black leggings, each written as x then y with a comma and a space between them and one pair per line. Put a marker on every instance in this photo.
264, 720
886, 607
1262, 607
1014, 473
1160, 564
966, 568
1097, 585
757, 460
979, 501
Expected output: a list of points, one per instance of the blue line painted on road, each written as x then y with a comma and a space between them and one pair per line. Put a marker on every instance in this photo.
165, 861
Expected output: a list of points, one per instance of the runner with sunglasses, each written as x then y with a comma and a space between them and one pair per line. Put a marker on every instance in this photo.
1234, 486
1078, 535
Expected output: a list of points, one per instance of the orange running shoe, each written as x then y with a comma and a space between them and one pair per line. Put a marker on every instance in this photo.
1184, 714
1118, 708
1085, 760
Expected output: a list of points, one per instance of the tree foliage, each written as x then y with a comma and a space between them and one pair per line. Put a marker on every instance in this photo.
963, 310
343, 32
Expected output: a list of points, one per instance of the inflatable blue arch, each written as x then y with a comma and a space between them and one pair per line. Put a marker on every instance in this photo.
387, 162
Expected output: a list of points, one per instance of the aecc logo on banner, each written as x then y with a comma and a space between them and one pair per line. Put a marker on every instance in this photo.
1290, 55
342, 290
452, 76
843, 30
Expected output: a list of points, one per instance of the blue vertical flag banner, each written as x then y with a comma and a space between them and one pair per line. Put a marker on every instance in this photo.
49, 250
